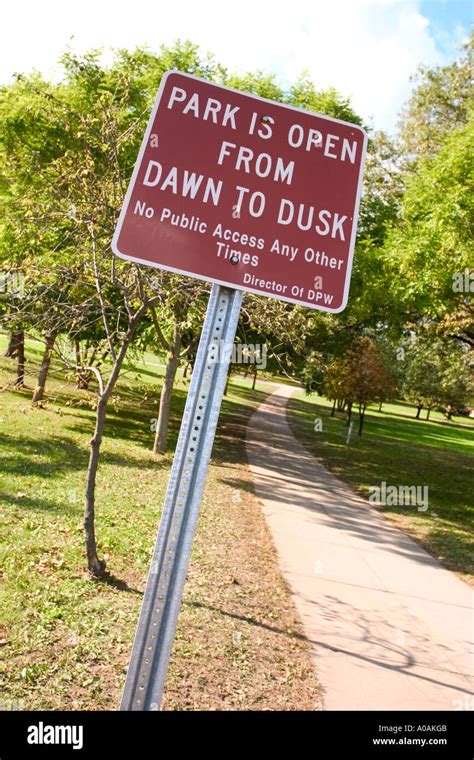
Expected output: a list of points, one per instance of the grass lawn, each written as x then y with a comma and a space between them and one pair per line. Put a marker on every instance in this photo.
65, 638
400, 450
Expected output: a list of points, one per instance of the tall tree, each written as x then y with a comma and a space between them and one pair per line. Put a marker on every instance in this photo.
431, 247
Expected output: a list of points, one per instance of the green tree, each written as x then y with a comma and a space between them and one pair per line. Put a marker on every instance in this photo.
440, 104
335, 382
457, 387
422, 378
303, 94
432, 244
437, 372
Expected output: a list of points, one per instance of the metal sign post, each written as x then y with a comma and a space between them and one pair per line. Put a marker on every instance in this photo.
160, 608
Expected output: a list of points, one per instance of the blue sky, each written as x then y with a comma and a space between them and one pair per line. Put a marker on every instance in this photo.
446, 15
367, 49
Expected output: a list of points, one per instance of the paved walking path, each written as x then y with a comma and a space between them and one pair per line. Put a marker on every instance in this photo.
389, 628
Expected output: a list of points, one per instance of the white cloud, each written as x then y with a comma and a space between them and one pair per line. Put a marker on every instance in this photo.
367, 49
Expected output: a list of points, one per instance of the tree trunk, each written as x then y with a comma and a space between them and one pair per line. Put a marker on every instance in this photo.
361, 418
418, 411
10, 350
349, 412
380, 407
95, 565
20, 363
161, 436
44, 368
82, 378
227, 382
254, 379
333, 408
428, 413
14, 340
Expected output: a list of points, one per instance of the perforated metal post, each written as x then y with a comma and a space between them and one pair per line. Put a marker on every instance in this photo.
159, 613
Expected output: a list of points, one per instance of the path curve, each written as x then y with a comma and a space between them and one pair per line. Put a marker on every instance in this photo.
389, 628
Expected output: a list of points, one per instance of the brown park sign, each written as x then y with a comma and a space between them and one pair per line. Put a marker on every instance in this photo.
238, 190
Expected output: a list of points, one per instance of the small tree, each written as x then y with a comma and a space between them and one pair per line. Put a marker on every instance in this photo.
457, 387
360, 377
422, 381
313, 372
336, 382
437, 372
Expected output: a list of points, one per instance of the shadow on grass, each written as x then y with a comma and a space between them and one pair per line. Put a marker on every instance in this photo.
141, 369
44, 457
54, 456
459, 423
35, 503
118, 583
246, 619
